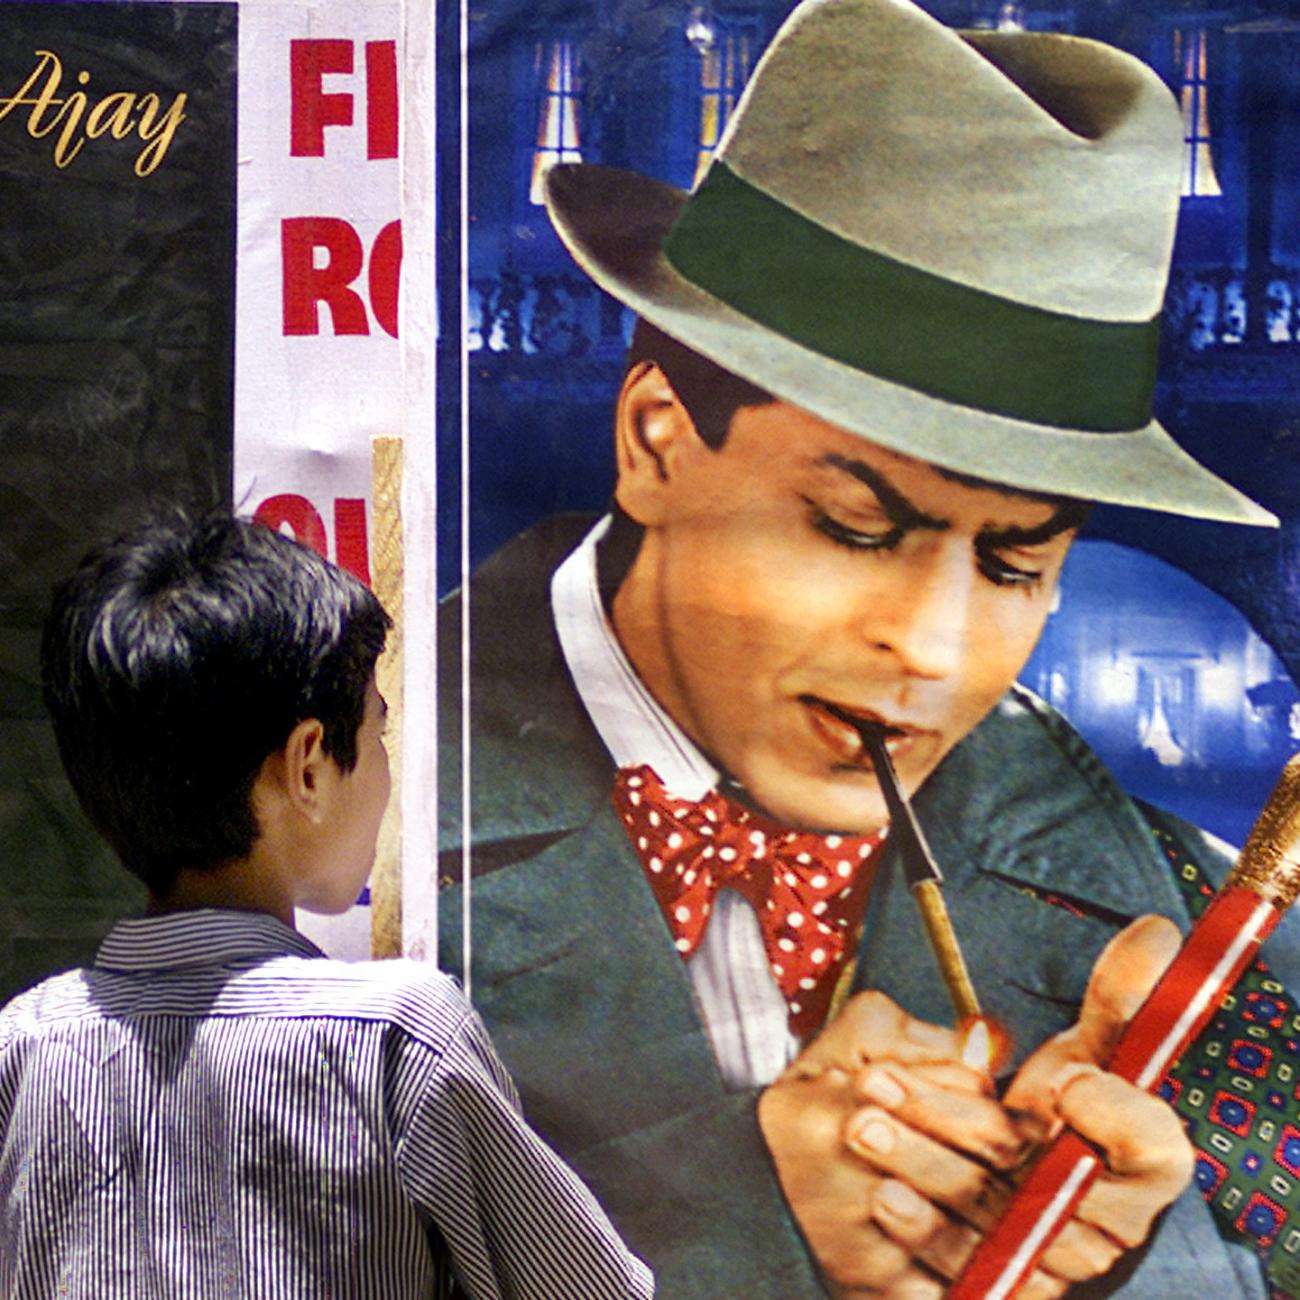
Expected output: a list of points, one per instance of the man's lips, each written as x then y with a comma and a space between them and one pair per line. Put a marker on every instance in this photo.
840, 726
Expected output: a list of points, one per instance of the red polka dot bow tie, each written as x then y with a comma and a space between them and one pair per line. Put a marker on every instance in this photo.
808, 889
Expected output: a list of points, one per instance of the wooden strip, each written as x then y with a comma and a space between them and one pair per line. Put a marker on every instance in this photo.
387, 575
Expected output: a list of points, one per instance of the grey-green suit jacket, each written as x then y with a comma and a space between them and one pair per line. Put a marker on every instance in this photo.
592, 1008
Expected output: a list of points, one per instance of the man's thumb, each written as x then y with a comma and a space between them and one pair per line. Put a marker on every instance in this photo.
1125, 973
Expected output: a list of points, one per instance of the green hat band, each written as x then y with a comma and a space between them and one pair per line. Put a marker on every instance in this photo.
909, 326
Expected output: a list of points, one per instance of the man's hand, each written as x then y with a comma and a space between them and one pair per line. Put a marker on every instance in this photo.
894, 1156
874, 1233
1148, 1157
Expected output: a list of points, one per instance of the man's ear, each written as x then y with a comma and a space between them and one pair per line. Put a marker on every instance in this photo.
302, 773
652, 432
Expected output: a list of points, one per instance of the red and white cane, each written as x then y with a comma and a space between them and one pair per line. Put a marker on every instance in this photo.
1222, 943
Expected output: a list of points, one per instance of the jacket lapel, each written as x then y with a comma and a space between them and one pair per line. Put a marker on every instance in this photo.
572, 964
574, 970
1051, 852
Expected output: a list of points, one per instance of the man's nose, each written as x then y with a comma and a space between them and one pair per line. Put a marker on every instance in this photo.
924, 618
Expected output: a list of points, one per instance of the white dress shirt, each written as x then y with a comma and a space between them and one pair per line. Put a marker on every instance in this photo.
742, 1008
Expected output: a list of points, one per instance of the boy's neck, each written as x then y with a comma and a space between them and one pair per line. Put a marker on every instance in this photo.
246, 885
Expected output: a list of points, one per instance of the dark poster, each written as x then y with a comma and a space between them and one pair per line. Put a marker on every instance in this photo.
117, 174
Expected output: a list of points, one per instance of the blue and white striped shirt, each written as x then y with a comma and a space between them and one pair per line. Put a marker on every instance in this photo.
215, 1109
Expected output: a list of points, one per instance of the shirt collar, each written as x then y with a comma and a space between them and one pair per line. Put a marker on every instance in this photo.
631, 722
210, 936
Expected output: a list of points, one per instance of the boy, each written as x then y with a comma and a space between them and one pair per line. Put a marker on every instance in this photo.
214, 1109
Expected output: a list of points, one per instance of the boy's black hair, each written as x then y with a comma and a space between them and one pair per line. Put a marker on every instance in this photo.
176, 659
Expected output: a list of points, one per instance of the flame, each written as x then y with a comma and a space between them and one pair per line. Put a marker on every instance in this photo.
985, 1045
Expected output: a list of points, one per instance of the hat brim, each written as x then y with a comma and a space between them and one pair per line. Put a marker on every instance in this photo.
613, 222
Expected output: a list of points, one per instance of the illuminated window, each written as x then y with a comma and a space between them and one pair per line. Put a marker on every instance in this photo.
1199, 178
724, 69
555, 64
1011, 18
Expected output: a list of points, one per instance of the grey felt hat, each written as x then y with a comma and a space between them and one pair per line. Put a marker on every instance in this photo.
953, 244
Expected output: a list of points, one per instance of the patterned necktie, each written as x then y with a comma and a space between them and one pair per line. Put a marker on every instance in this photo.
1236, 1090
808, 890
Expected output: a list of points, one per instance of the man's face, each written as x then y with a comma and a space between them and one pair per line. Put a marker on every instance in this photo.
801, 577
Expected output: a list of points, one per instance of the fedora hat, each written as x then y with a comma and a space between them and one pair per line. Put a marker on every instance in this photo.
953, 244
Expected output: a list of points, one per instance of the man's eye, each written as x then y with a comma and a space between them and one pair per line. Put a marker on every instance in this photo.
1002, 573
855, 539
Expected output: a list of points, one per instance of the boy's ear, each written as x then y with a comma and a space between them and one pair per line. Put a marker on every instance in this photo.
652, 432
303, 771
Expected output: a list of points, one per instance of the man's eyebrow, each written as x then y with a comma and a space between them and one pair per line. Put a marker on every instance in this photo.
907, 516
1061, 520
1070, 512
900, 510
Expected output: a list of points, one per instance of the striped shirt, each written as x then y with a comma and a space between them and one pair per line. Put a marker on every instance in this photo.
216, 1109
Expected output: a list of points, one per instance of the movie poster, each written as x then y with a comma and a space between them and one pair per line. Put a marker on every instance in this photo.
1170, 647
207, 220
318, 370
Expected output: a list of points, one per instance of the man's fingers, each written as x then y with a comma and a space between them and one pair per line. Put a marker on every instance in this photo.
1148, 1157
966, 1121
1140, 1134
1081, 1252
874, 1027
934, 1200
1123, 976
1039, 1286
937, 1147
924, 1177
929, 1167
943, 1244
830, 1190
